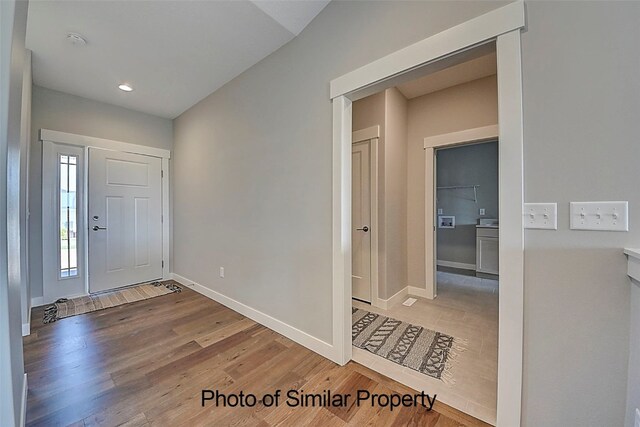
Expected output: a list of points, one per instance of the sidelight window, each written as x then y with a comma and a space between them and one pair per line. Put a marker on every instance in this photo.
68, 184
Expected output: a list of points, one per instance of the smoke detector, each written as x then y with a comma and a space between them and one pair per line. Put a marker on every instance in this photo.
76, 39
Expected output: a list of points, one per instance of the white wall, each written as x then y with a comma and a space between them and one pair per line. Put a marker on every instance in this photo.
68, 113
13, 24
253, 184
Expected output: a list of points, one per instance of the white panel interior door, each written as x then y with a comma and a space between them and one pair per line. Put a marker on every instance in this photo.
360, 221
125, 219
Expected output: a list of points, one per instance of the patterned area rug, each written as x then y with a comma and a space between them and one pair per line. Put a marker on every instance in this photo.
415, 347
71, 307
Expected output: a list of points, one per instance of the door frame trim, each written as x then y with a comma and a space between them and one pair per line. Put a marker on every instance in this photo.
372, 134
87, 142
502, 25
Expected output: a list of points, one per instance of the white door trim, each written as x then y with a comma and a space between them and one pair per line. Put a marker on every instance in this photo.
502, 25
92, 142
462, 137
455, 39
107, 144
365, 134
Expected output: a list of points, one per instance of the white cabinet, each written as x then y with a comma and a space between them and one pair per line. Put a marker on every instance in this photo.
487, 250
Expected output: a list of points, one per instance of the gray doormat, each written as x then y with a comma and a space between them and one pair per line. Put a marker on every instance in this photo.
93, 302
429, 352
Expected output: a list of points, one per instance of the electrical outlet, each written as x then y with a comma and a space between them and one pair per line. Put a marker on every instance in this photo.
222, 272
482, 212
440, 211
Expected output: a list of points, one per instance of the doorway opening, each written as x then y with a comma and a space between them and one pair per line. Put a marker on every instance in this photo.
401, 326
430, 55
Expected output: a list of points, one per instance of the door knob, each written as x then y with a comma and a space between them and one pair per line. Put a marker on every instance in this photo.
365, 229
96, 228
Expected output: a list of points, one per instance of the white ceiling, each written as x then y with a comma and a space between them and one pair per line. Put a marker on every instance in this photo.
464, 72
174, 53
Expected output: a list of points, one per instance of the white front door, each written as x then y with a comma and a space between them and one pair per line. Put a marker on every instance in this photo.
361, 221
124, 219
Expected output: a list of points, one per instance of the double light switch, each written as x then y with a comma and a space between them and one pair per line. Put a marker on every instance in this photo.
541, 216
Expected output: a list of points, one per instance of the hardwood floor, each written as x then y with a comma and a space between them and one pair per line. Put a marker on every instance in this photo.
146, 363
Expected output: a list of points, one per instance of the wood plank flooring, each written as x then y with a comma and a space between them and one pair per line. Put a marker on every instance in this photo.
146, 363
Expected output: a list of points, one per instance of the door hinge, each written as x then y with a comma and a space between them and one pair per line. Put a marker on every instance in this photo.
161, 173
162, 264
162, 218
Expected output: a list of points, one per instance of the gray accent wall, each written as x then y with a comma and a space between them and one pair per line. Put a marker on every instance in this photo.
63, 112
253, 184
467, 165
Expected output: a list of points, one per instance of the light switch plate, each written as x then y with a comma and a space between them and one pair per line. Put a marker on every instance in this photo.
543, 216
482, 211
600, 216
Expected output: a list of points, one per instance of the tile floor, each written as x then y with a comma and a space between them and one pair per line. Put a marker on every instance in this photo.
467, 308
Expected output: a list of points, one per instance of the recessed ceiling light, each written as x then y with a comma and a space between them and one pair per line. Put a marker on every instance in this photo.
125, 87
76, 39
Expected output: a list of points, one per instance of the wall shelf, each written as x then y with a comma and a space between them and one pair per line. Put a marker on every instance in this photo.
463, 187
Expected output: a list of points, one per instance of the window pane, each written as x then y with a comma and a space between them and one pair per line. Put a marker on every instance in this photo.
68, 216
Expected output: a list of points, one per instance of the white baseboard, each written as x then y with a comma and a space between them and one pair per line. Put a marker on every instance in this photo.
23, 415
385, 304
460, 265
26, 329
37, 302
312, 343
418, 292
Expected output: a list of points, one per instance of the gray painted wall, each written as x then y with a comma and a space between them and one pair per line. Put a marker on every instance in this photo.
581, 102
253, 161
469, 165
253, 183
13, 24
68, 113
